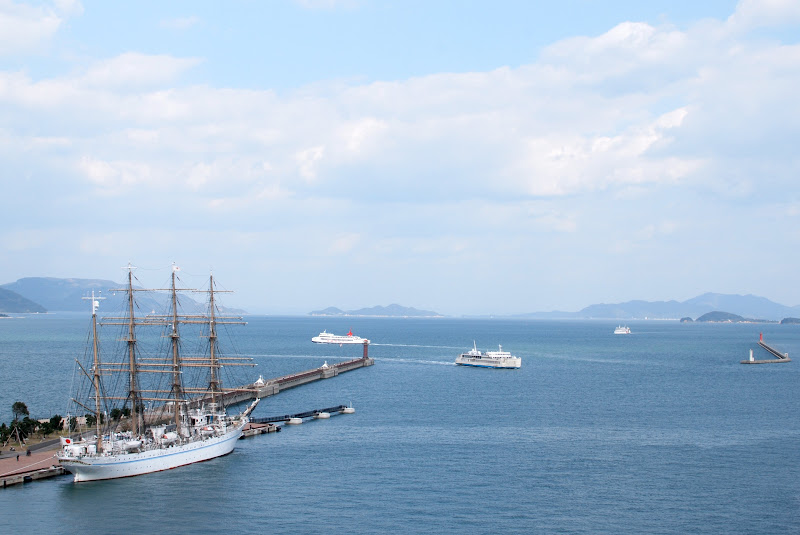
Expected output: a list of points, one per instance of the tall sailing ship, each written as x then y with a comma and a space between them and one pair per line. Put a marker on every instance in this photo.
146, 412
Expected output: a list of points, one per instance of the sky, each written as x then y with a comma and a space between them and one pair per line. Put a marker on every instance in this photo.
466, 157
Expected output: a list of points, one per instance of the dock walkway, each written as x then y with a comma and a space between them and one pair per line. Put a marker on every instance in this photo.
301, 415
17, 467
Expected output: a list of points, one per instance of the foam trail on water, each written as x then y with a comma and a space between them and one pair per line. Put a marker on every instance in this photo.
416, 345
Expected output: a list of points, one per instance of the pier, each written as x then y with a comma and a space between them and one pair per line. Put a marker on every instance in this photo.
253, 429
779, 357
20, 467
262, 389
300, 415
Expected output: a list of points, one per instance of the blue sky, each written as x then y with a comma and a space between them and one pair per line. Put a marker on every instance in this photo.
465, 157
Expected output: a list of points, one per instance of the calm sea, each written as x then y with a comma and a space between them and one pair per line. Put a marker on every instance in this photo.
662, 431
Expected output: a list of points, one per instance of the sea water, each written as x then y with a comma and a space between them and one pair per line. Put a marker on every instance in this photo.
659, 431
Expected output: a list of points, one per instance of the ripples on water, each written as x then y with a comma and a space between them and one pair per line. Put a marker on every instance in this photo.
661, 431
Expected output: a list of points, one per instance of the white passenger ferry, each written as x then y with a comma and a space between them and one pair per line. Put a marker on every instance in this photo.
490, 359
330, 338
622, 330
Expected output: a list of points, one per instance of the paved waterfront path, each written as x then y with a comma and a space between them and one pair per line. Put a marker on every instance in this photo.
44, 458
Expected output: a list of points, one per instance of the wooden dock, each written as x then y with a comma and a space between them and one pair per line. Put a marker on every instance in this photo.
254, 428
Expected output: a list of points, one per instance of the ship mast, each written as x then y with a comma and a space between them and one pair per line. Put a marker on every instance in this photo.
138, 426
177, 390
96, 369
215, 361
213, 384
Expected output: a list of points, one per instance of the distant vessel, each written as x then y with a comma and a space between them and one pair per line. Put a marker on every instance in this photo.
491, 359
622, 330
330, 338
166, 415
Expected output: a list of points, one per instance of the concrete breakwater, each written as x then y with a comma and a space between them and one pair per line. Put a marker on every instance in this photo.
263, 389
779, 357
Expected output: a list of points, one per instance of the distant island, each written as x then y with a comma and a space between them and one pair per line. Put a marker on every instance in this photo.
391, 311
746, 306
726, 317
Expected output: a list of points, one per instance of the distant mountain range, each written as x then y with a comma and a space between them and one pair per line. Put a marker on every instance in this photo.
392, 310
748, 306
47, 294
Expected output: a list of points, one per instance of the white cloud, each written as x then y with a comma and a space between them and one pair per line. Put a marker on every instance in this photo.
137, 70
327, 4
25, 28
344, 243
69, 7
631, 111
181, 23
308, 161
359, 135
759, 13
24, 240
562, 165
115, 177
577, 121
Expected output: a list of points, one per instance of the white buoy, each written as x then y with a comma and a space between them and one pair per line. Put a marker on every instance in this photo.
294, 421
322, 415
751, 355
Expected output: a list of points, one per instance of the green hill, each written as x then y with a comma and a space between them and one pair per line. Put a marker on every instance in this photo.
11, 301
727, 317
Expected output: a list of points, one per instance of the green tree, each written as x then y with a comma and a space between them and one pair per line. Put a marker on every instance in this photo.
45, 429
56, 422
28, 425
19, 409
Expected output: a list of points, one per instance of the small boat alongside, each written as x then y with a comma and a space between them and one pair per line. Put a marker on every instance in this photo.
329, 338
490, 359
622, 330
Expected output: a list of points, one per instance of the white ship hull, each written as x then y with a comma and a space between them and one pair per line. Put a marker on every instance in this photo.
490, 359
97, 467
484, 362
330, 338
337, 340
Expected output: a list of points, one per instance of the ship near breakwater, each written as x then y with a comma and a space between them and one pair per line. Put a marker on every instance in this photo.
147, 411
